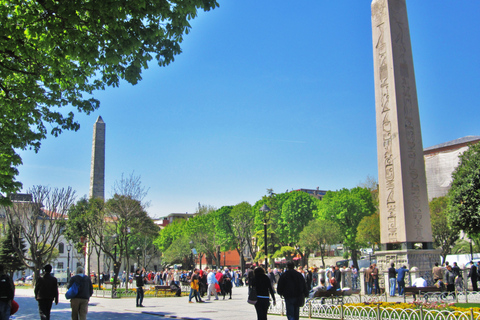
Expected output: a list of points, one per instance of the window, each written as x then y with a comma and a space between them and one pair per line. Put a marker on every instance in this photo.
61, 247
60, 266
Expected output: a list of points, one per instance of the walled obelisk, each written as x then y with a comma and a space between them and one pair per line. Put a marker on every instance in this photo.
406, 233
97, 171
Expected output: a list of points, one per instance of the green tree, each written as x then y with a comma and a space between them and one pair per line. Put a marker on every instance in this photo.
346, 208
464, 193
319, 235
444, 236
8, 255
242, 222
297, 212
368, 231
55, 54
178, 251
169, 234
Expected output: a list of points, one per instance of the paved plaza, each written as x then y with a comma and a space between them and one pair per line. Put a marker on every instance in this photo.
155, 308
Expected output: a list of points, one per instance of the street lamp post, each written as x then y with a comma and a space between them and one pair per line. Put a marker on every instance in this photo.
69, 247
265, 209
114, 285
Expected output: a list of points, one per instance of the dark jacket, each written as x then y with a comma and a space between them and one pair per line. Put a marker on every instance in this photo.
47, 288
292, 285
263, 285
473, 272
85, 289
10, 294
392, 273
139, 279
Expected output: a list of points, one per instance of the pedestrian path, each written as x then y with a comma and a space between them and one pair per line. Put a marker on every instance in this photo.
155, 308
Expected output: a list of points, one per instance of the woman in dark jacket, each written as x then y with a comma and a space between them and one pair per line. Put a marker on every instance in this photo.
264, 288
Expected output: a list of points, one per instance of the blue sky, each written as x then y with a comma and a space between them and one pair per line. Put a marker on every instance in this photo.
269, 94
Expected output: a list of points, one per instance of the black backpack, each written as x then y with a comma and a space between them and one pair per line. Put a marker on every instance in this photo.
6, 290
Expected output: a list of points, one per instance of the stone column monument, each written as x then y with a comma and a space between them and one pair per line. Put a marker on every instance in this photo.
97, 171
406, 233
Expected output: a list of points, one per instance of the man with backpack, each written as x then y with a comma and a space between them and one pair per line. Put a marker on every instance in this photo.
46, 291
7, 292
79, 303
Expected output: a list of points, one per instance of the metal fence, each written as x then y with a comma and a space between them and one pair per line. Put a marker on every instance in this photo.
321, 308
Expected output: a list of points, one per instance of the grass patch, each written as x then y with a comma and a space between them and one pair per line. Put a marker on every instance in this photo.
467, 305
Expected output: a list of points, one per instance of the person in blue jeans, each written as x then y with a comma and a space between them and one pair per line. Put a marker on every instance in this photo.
392, 279
401, 279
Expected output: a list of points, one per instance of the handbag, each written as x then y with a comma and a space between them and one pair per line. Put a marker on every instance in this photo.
252, 296
72, 291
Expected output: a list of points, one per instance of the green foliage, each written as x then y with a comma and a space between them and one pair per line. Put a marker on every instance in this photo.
319, 235
178, 251
297, 211
368, 231
169, 234
464, 193
444, 236
346, 208
55, 52
8, 255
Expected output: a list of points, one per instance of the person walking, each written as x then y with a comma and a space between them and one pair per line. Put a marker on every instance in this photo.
392, 278
7, 293
263, 286
79, 303
46, 291
140, 282
194, 287
292, 287
211, 280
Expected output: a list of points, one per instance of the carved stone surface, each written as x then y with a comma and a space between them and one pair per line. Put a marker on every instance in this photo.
404, 212
97, 171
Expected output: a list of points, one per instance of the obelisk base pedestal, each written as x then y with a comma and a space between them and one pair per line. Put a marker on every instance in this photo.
423, 259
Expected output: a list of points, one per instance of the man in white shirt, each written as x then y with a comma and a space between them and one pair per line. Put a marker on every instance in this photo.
419, 282
211, 280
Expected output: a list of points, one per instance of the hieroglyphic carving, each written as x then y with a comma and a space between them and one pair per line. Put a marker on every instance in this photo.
379, 17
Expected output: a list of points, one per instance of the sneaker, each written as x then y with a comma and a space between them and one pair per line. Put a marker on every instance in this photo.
200, 301
190, 301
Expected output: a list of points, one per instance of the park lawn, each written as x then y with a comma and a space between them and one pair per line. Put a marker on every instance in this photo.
467, 305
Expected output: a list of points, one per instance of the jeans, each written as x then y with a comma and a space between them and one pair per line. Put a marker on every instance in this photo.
293, 309
401, 287
262, 307
354, 283
194, 293
377, 288
4, 310
393, 283
369, 287
139, 296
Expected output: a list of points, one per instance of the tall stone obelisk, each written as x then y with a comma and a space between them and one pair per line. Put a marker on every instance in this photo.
97, 171
406, 233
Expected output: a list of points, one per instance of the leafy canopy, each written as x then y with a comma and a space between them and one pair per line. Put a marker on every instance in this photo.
55, 54
464, 193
